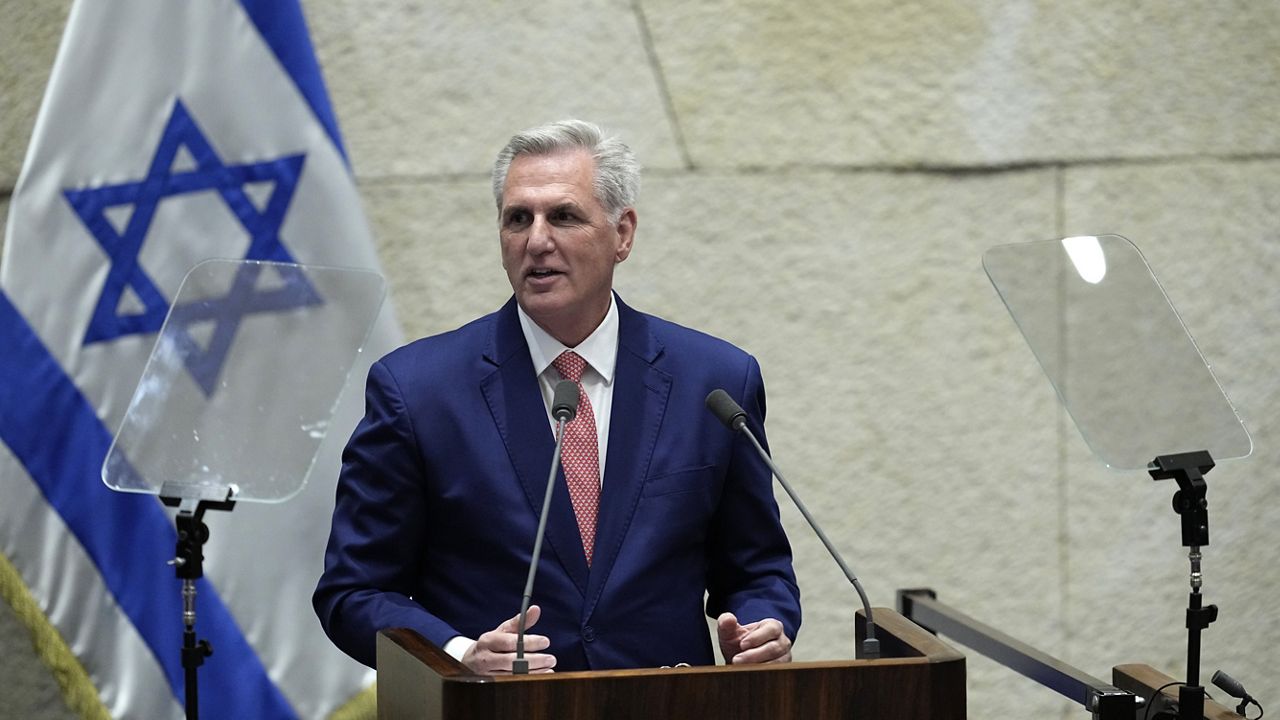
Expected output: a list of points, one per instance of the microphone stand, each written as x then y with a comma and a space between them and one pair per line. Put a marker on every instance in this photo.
870, 645
735, 418
564, 408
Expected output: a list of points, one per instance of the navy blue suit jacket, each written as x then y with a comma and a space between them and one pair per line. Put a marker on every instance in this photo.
443, 480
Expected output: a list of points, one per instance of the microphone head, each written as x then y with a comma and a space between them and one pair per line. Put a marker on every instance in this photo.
728, 411
1229, 685
564, 403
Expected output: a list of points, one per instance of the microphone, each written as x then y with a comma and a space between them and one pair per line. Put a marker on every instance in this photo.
1232, 687
726, 410
564, 402
564, 408
732, 415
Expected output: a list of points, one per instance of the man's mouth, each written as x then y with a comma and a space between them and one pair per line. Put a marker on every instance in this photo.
542, 273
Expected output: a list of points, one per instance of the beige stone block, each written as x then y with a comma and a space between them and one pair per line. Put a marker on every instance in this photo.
31, 37
438, 244
438, 89
871, 82
1209, 231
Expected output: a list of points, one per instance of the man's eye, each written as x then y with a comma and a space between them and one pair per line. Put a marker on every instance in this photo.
563, 216
517, 219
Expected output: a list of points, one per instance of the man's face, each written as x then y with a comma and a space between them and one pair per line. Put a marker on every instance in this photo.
558, 246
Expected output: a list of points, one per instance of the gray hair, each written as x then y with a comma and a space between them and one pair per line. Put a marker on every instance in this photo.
617, 176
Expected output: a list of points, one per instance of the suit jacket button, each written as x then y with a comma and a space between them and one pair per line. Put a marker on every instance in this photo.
588, 633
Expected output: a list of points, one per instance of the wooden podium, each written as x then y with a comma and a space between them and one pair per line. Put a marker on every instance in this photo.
918, 678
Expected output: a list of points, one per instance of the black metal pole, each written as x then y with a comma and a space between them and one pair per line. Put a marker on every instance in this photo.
1102, 699
188, 565
1190, 502
192, 532
189, 651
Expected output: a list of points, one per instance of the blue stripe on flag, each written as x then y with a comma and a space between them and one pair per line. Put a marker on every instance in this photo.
284, 29
54, 432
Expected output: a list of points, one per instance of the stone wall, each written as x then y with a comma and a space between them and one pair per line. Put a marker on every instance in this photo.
822, 180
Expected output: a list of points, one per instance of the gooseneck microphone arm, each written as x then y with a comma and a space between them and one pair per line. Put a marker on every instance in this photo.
564, 408
732, 415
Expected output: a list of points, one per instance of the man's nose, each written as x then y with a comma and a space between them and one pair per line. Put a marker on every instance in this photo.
540, 239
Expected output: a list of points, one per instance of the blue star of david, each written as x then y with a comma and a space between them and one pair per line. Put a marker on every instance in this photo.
161, 182
242, 298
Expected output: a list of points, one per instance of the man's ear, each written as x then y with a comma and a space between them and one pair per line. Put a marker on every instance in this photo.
626, 228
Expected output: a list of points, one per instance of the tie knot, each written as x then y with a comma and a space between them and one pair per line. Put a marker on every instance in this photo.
570, 365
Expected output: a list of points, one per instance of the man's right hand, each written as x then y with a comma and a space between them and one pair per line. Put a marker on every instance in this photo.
494, 652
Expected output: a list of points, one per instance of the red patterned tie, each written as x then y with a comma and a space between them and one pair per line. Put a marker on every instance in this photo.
581, 454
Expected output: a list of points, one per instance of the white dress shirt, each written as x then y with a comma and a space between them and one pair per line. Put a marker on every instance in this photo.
600, 350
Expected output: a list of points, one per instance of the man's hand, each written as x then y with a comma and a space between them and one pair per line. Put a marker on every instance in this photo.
757, 642
494, 652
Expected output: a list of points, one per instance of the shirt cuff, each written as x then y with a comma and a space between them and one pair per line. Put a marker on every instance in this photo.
458, 646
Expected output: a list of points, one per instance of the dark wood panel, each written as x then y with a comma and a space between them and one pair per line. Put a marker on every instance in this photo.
924, 682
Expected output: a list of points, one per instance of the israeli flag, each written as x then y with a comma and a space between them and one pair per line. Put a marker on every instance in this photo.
171, 132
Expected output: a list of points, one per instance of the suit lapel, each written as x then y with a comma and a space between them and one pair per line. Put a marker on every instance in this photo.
640, 395
520, 414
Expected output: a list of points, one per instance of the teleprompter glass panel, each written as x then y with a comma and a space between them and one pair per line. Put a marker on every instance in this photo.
243, 380
1116, 351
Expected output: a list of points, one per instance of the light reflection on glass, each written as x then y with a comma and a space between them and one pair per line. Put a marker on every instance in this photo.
1087, 257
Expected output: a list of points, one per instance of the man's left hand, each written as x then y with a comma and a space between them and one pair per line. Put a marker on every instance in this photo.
757, 642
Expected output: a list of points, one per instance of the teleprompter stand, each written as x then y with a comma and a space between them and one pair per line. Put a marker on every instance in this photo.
1190, 503
1118, 355
188, 563
241, 384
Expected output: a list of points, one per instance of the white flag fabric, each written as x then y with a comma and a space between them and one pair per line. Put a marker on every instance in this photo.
171, 132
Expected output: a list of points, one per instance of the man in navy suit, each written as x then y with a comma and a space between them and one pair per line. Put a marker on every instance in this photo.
658, 508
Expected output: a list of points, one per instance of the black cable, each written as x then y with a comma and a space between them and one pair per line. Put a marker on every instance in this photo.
1152, 700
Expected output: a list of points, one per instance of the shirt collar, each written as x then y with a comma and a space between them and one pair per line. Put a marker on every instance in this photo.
600, 349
